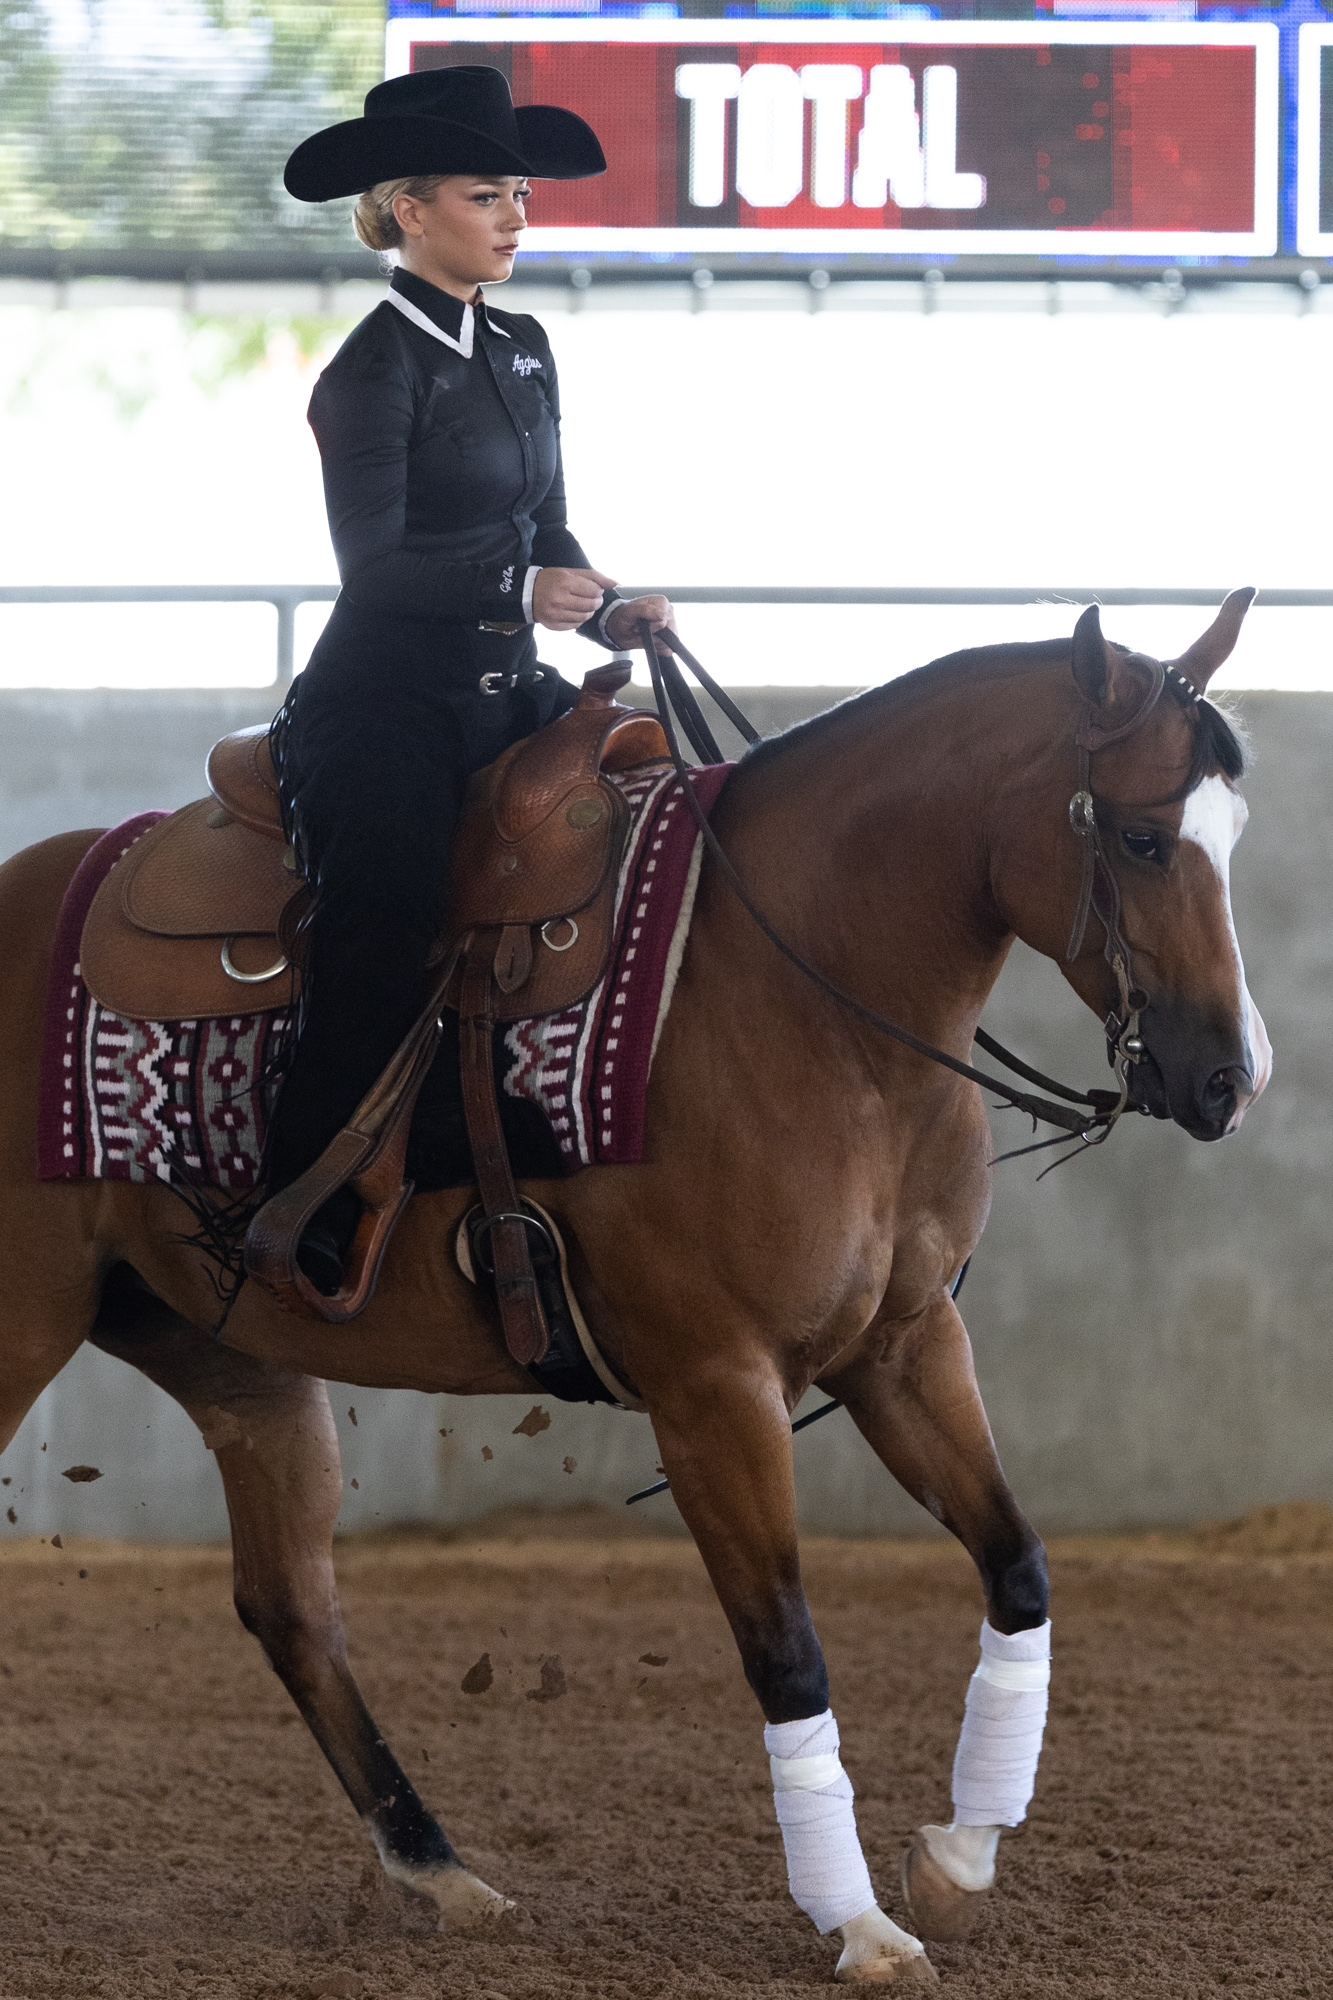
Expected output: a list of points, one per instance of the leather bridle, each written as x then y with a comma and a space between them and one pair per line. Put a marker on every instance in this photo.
1098, 896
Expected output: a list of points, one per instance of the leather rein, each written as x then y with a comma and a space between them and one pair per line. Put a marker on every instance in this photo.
1099, 896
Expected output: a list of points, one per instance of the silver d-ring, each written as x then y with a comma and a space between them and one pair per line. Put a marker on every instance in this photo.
495, 683
249, 978
569, 942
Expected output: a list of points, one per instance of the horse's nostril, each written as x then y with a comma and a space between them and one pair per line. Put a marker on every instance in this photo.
1222, 1088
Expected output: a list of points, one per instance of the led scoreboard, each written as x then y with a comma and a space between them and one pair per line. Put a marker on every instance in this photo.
1314, 181
1083, 138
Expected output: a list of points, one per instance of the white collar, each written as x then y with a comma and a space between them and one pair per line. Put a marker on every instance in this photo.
463, 345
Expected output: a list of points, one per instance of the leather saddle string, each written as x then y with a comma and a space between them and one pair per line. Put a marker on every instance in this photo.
1035, 1107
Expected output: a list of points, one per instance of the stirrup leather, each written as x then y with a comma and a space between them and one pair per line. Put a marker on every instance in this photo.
368, 1156
525, 1330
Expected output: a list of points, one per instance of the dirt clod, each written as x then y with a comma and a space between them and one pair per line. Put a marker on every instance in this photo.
218, 1428
487, 1453
536, 1421
571, 1465
553, 1680
56, 1542
653, 1659
478, 1678
351, 1411
82, 1475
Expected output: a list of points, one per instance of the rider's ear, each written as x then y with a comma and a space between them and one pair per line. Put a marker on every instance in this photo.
1206, 655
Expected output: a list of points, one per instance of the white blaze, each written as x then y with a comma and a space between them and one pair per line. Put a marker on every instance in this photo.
1213, 819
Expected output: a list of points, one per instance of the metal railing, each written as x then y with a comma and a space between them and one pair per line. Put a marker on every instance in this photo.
286, 597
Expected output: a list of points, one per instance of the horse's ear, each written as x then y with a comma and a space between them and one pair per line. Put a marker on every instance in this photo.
1089, 659
1207, 653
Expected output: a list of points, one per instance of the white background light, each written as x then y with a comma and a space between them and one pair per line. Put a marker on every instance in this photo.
844, 446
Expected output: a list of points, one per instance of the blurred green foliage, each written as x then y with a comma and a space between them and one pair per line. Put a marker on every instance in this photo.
225, 346
168, 122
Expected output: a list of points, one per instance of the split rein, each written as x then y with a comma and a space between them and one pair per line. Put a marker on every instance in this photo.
1099, 896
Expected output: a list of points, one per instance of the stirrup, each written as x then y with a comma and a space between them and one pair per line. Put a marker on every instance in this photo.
273, 1240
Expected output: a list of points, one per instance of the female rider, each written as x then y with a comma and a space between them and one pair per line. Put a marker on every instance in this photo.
438, 425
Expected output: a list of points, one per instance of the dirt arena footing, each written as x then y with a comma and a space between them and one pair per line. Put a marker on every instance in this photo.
168, 1828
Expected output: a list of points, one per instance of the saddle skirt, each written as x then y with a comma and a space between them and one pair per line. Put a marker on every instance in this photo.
201, 916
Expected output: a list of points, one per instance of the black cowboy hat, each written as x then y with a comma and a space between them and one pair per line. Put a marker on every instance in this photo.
459, 120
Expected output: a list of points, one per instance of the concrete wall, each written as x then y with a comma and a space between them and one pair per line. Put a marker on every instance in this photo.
1151, 1322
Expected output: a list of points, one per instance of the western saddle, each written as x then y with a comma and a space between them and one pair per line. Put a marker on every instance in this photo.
203, 915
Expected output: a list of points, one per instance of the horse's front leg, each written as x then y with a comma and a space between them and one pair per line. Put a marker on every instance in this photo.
912, 1392
726, 1448
272, 1433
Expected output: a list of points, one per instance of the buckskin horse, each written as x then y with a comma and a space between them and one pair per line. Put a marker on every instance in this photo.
810, 1190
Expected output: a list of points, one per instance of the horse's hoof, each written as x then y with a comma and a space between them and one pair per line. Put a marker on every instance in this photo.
939, 1909
462, 1899
877, 1953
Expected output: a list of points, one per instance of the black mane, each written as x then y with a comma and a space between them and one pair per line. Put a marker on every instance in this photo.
1218, 746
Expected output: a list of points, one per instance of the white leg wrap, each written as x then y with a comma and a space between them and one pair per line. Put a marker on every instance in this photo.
995, 1768
813, 1795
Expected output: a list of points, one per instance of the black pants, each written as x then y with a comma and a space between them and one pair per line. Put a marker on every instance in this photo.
374, 749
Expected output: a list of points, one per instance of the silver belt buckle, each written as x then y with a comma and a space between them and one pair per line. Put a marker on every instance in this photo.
497, 683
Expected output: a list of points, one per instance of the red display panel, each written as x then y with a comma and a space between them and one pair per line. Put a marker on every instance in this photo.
971, 136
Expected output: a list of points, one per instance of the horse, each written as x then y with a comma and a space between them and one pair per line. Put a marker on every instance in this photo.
811, 1189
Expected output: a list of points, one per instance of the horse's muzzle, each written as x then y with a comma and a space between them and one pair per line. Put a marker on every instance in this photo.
1206, 1098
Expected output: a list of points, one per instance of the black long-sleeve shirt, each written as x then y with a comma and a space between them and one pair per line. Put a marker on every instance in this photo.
438, 426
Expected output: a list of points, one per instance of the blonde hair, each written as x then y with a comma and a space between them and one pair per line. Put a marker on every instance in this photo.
373, 218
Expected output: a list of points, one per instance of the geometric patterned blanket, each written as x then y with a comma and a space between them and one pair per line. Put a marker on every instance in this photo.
189, 1100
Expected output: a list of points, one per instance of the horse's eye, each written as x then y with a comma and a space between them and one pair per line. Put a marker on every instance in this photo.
1143, 846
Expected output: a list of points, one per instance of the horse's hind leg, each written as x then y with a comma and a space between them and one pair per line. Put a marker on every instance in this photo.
726, 1448
273, 1436
45, 1317
912, 1392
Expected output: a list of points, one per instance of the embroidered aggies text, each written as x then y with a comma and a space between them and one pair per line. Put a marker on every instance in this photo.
524, 364
507, 580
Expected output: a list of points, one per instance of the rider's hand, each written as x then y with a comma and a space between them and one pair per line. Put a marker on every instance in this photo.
623, 621
564, 599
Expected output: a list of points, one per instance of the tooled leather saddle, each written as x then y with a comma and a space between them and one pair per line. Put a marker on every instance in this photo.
202, 917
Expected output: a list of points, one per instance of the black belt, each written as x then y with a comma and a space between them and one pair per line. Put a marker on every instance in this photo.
526, 677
